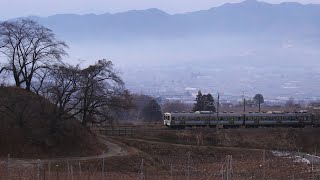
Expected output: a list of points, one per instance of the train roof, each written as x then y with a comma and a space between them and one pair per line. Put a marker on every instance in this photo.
209, 113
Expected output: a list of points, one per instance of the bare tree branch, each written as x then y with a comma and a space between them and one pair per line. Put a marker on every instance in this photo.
29, 48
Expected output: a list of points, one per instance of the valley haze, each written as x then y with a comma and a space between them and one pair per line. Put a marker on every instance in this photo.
238, 48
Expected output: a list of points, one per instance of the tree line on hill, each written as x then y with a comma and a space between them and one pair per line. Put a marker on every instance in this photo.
32, 58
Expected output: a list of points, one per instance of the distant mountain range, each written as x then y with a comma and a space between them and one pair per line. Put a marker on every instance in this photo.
249, 17
250, 46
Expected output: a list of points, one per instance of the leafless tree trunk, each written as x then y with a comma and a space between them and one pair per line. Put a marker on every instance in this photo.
29, 48
89, 94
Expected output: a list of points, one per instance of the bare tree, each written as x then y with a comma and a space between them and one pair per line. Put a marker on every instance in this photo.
258, 99
29, 48
101, 89
62, 87
92, 95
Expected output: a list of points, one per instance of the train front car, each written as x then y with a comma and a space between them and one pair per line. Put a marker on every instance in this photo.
192, 119
167, 119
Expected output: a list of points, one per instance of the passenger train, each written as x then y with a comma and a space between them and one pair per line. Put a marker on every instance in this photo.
235, 120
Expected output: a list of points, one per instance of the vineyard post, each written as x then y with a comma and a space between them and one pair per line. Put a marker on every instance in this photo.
222, 172
141, 171
103, 175
71, 172
57, 172
8, 167
68, 169
264, 164
171, 171
188, 170
49, 171
38, 172
80, 173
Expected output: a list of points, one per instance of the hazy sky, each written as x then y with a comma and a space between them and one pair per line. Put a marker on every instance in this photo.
18, 8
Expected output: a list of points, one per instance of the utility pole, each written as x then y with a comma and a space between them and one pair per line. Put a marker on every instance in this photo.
244, 102
244, 105
218, 104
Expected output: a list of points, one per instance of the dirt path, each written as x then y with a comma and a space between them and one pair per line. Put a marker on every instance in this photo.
113, 150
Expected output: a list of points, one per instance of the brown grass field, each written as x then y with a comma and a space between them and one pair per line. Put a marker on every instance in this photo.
157, 153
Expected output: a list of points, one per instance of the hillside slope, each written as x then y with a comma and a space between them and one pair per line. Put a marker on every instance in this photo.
27, 129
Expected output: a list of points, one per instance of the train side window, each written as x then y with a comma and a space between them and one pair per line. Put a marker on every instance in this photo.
172, 118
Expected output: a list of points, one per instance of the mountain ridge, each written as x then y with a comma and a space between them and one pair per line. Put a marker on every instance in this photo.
250, 17
246, 2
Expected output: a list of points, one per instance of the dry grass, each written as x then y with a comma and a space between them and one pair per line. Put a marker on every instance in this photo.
293, 139
27, 129
162, 159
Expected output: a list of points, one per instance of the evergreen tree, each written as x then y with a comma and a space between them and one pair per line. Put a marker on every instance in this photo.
204, 102
198, 106
152, 111
209, 103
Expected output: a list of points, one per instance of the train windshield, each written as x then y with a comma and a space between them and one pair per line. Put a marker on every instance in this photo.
167, 116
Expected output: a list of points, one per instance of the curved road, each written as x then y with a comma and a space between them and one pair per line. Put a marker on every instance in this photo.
113, 150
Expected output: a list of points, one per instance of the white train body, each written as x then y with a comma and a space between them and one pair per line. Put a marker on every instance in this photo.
206, 118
